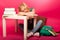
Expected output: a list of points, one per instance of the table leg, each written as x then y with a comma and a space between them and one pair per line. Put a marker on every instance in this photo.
4, 26
16, 26
25, 29
34, 22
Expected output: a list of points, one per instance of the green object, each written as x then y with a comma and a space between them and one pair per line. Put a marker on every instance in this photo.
44, 30
31, 9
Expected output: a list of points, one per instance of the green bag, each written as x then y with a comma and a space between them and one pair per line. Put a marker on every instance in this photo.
44, 30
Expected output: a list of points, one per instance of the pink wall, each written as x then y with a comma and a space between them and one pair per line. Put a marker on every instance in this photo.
46, 8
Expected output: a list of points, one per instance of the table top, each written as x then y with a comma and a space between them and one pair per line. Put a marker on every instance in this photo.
15, 17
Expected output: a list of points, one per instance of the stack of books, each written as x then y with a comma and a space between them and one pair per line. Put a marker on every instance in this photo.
9, 12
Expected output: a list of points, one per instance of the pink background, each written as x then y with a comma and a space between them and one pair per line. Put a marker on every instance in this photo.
46, 8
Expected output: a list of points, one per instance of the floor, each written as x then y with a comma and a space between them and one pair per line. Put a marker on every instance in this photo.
12, 35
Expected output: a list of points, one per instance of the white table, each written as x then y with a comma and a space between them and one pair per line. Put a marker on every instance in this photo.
16, 17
